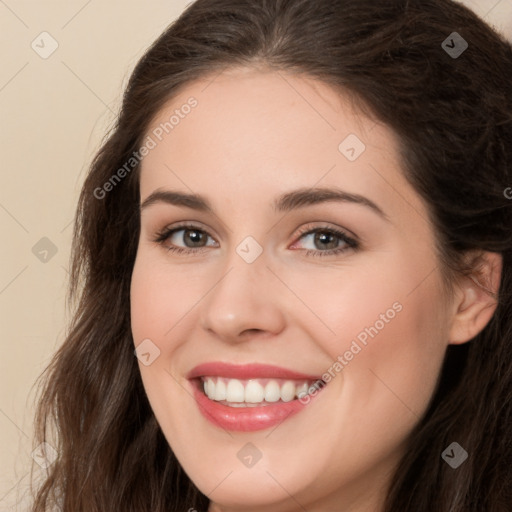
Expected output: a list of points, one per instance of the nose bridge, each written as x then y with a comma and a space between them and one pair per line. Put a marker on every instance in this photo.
241, 299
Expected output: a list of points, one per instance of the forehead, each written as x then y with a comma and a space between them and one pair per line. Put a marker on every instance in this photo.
263, 131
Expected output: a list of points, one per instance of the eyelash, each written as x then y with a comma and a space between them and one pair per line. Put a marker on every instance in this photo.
350, 242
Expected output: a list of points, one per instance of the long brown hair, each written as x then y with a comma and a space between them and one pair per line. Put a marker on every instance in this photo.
453, 117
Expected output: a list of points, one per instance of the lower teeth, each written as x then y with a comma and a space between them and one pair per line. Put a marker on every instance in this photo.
246, 404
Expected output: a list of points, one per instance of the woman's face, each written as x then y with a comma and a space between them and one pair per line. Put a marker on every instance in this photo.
296, 251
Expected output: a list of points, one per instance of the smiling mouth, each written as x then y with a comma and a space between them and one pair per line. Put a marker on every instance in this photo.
256, 392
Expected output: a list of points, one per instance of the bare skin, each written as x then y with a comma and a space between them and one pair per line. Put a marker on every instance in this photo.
252, 137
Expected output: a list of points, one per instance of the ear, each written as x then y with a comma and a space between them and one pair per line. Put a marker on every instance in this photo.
476, 299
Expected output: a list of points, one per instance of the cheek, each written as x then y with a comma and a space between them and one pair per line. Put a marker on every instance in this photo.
160, 296
388, 338
392, 342
159, 302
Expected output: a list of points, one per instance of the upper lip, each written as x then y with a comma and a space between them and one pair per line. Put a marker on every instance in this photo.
247, 371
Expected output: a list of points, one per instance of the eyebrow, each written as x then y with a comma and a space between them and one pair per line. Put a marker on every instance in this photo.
287, 202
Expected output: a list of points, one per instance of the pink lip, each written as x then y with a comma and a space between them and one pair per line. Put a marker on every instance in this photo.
247, 371
246, 419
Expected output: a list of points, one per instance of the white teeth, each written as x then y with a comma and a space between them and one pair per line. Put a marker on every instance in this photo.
235, 391
288, 391
220, 390
302, 390
253, 391
210, 389
272, 391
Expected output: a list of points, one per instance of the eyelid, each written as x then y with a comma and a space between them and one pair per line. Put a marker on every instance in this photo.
325, 226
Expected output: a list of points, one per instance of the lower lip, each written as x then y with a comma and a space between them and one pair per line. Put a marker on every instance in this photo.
247, 419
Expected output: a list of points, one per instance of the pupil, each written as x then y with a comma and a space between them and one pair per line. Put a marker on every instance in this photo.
325, 238
194, 236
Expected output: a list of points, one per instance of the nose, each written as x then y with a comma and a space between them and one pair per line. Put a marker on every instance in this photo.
245, 302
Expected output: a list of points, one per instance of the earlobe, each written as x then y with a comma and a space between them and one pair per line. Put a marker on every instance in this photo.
476, 301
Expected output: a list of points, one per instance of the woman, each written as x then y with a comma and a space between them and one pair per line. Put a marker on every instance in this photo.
293, 263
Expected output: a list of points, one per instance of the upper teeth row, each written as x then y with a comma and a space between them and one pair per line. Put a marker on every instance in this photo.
253, 390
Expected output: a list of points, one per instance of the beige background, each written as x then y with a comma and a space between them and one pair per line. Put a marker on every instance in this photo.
54, 112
